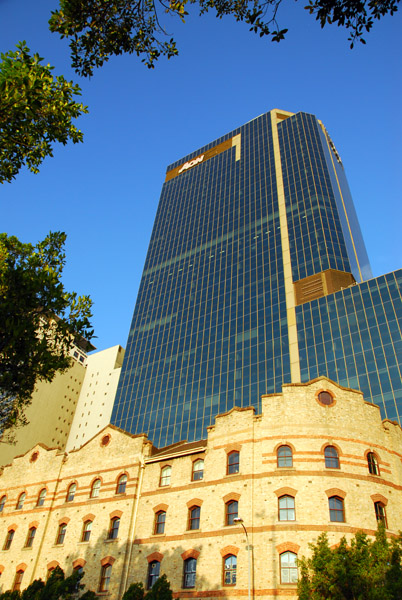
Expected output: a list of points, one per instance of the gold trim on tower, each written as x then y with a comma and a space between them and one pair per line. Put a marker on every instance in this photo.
234, 142
276, 117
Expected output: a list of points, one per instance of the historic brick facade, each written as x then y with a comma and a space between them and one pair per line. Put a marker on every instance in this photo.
318, 458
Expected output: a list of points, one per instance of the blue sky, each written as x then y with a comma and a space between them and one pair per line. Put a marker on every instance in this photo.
104, 193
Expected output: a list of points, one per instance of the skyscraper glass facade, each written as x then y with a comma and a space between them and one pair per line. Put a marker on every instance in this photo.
354, 337
239, 222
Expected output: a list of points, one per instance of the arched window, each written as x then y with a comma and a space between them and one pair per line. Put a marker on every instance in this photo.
106, 573
372, 464
232, 509
380, 514
233, 462
288, 562
61, 533
114, 528
198, 470
95, 488
284, 456
20, 502
190, 567
41, 497
86, 531
336, 509
229, 569
80, 570
18, 580
121, 484
165, 476
9, 539
2, 503
194, 517
30, 537
286, 508
331, 457
154, 569
71, 492
160, 519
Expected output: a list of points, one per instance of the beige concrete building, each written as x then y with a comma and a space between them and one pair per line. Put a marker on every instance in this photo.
72, 408
98, 390
317, 459
51, 412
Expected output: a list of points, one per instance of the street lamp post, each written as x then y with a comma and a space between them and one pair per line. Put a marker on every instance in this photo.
240, 520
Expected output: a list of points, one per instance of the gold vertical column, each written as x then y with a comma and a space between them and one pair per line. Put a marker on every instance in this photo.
276, 117
236, 142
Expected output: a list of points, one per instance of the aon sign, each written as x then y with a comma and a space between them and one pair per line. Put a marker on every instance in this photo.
191, 163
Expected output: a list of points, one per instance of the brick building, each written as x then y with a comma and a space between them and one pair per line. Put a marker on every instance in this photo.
318, 458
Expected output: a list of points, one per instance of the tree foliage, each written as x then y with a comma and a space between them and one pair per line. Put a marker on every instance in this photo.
37, 110
356, 15
39, 321
363, 569
99, 29
134, 592
159, 591
57, 587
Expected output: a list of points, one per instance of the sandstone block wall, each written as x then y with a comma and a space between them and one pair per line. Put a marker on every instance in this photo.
296, 418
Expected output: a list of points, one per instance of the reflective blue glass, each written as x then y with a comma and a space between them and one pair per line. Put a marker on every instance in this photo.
210, 326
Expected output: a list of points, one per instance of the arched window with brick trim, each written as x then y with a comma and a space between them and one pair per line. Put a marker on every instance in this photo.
288, 567
372, 464
61, 534
9, 539
41, 497
51, 567
231, 511
106, 574
331, 456
72, 488
160, 521
113, 528
229, 569
95, 488
198, 470
233, 462
121, 484
78, 570
154, 568
336, 509
18, 580
165, 476
194, 514
286, 508
2, 503
30, 537
380, 513
284, 456
79, 563
86, 531
20, 501
189, 572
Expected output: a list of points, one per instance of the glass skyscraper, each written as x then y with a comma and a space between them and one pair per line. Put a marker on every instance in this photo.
256, 275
